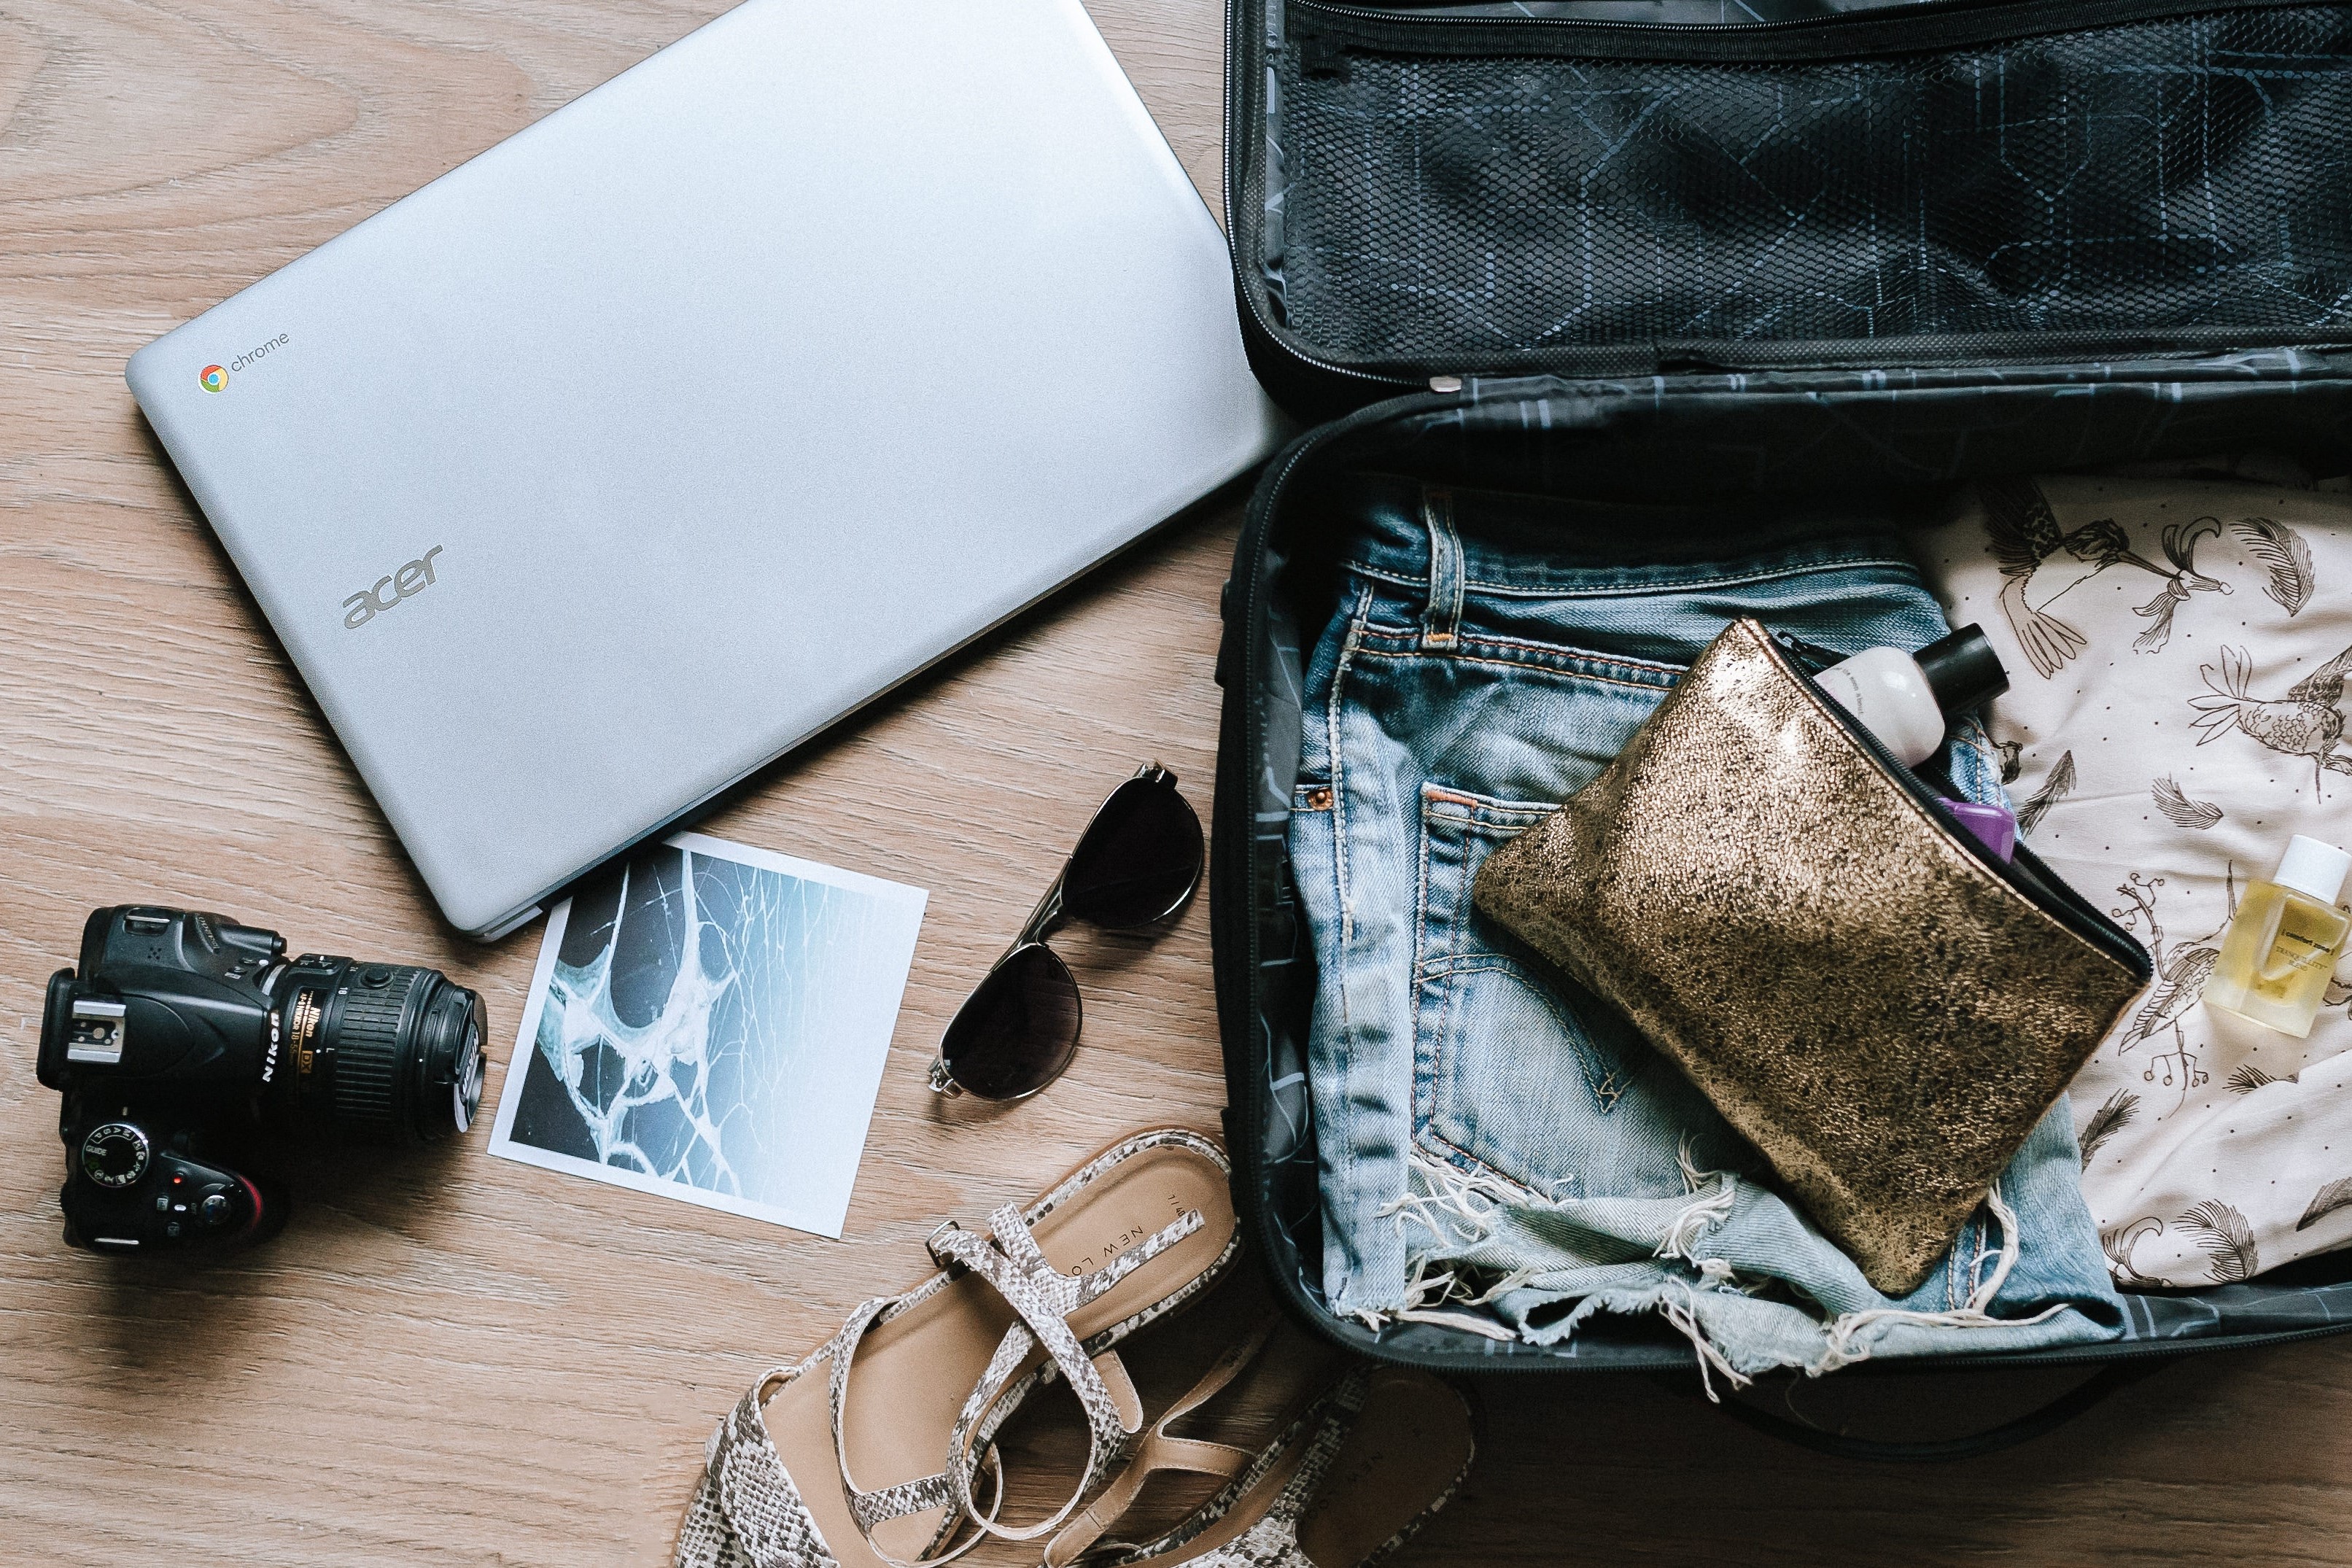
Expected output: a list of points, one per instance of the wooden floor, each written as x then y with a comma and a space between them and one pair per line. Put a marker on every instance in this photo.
460, 1359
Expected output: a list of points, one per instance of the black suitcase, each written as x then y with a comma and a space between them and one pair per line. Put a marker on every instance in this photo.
1638, 248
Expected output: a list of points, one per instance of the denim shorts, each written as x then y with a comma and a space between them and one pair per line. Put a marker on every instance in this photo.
1499, 1150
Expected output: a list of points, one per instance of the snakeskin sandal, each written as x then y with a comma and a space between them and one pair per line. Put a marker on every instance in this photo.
1393, 1445
827, 1471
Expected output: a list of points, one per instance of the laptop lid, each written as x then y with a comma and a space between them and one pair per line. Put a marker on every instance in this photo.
608, 467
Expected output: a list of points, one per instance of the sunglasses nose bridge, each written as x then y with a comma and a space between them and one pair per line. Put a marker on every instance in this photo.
1046, 918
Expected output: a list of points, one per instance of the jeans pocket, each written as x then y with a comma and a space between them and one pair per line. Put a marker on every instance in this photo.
1518, 1072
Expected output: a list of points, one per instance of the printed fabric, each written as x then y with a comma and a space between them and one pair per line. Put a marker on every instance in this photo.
1498, 1150
2177, 650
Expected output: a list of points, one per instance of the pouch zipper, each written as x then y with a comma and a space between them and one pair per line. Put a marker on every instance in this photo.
1804, 660
1843, 36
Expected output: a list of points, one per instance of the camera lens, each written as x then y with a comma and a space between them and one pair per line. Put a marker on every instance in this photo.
386, 1051
447, 1064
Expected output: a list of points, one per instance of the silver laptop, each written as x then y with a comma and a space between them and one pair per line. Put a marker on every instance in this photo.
615, 463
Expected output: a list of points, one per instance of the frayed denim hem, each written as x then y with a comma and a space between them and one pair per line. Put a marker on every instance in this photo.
1455, 1279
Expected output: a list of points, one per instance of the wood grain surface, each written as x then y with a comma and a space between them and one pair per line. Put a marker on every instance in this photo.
456, 1359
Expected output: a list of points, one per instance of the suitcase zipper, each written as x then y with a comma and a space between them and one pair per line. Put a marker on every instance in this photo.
1952, 25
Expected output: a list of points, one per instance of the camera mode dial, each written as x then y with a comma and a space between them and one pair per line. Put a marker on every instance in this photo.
116, 1155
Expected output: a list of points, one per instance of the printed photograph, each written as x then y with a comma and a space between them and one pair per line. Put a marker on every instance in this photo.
709, 1022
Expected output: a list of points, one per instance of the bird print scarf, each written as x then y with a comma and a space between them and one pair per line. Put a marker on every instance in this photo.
2177, 645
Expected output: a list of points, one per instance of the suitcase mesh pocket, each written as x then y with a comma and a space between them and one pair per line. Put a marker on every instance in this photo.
2151, 179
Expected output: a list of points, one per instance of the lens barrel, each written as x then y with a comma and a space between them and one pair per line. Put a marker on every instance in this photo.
395, 1052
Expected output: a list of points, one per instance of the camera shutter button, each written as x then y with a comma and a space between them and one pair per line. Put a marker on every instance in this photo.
215, 1209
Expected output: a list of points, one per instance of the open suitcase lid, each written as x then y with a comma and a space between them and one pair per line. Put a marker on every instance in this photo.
1606, 188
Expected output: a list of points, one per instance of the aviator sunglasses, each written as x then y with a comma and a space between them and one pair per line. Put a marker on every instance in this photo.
1136, 863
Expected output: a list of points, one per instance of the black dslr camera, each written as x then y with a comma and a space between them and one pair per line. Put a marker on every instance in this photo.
182, 1028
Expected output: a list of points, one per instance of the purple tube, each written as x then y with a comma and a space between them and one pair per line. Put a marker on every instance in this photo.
1993, 826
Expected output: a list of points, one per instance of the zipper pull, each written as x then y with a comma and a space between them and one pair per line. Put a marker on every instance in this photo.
1811, 658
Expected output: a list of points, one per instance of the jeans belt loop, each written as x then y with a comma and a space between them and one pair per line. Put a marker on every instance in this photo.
1442, 620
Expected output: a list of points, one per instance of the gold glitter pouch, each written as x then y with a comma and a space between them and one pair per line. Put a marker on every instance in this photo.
1865, 991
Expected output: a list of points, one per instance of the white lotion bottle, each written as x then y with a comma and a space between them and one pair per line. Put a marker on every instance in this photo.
1907, 700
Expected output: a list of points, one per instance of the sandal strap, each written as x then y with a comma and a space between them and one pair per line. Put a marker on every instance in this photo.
944, 1547
871, 1509
747, 1508
840, 1350
1272, 1540
757, 1503
1341, 1409
1042, 1299
1158, 1451
886, 1503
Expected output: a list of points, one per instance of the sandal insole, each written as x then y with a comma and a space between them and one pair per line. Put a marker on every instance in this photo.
1410, 1444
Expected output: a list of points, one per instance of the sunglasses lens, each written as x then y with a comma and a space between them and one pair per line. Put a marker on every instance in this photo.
1015, 1034
1139, 859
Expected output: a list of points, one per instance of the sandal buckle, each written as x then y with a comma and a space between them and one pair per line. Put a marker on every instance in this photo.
931, 1244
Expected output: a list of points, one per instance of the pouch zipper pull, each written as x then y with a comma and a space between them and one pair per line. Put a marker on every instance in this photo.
1811, 657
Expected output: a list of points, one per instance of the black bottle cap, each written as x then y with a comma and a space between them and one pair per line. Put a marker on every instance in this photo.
1963, 671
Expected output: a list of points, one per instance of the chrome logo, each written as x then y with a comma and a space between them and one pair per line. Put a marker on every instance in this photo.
214, 378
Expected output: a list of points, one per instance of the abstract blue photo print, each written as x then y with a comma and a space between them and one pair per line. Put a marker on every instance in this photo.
709, 1022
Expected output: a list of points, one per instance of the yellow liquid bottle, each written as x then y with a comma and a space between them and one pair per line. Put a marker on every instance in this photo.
2283, 944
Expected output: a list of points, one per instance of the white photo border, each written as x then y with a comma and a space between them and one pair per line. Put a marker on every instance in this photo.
910, 901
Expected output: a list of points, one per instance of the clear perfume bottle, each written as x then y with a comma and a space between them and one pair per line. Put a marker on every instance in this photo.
2283, 944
